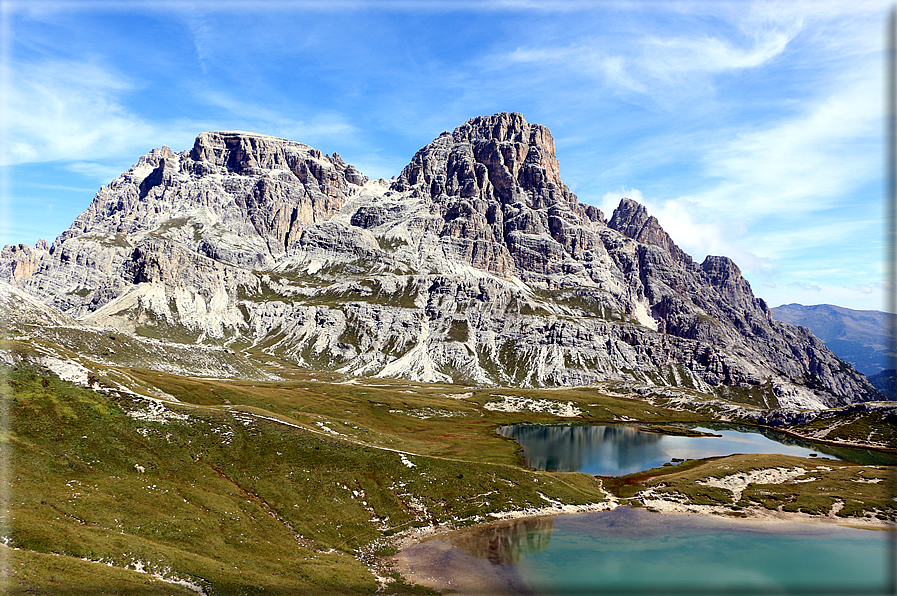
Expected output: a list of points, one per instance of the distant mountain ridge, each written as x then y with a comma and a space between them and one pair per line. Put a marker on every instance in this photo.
886, 383
477, 264
856, 336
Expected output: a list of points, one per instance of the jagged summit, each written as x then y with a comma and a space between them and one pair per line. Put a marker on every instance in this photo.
272, 189
495, 183
631, 218
246, 153
497, 158
477, 264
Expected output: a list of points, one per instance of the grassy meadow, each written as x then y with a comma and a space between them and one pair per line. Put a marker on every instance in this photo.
296, 486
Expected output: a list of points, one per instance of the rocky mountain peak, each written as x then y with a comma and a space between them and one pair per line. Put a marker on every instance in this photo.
477, 263
238, 198
723, 274
252, 153
499, 158
631, 219
495, 184
503, 127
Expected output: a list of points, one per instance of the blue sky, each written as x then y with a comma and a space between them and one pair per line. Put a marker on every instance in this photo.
750, 129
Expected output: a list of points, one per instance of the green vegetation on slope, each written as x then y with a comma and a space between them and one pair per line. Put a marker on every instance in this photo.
228, 500
854, 426
252, 487
853, 490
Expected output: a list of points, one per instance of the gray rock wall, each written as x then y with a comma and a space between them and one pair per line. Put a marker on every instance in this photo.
477, 264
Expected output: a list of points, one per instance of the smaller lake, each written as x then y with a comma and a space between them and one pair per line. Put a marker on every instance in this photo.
618, 450
635, 552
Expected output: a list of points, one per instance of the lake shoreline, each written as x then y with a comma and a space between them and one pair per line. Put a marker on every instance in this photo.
438, 567
751, 514
411, 536
882, 447
402, 563
761, 514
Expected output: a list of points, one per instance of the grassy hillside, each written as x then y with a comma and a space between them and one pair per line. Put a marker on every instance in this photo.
237, 503
249, 487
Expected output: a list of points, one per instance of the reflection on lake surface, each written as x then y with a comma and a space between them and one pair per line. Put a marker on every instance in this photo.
639, 552
507, 543
618, 450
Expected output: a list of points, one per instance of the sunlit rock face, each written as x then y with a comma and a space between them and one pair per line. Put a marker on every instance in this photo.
477, 264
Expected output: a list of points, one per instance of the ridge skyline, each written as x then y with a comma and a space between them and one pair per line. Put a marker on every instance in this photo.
262, 135
751, 129
476, 263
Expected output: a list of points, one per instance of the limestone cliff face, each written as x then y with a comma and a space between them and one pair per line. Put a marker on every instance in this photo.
631, 219
20, 261
256, 190
496, 184
240, 199
477, 264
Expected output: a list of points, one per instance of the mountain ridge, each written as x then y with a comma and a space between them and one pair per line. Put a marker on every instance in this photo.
476, 264
857, 336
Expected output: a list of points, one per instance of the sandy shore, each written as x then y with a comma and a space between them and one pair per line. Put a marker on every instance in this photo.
413, 536
472, 578
762, 514
655, 502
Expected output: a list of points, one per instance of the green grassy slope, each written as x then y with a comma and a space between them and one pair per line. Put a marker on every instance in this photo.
253, 487
230, 501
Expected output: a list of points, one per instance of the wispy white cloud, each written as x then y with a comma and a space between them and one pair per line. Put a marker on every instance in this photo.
39, 185
78, 111
666, 59
666, 66
202, 34
779, 191
857, 296
803, 163
36, 7
69, 109
319, 125
97, 171
818, 234
586, 58
806, 287
744, 123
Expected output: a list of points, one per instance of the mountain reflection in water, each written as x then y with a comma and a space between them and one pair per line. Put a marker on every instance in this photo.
506, 543
571, 448
616, 450
639, 553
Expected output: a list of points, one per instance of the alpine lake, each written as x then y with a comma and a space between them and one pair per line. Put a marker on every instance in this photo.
635, 551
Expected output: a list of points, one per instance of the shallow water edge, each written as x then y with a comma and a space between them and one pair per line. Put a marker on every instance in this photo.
442, 567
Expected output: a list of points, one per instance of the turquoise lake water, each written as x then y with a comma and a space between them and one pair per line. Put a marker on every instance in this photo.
633, 551
637, 552
617, 450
